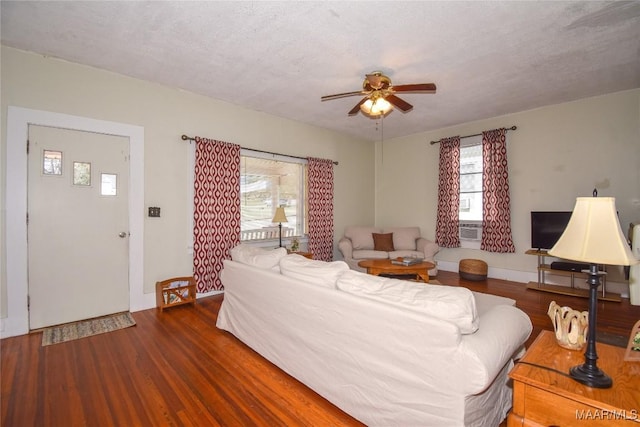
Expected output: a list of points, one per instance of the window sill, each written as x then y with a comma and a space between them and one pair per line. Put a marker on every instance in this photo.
273, 243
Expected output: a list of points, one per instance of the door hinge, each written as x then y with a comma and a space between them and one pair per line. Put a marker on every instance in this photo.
28, 301
27, 218
27, 146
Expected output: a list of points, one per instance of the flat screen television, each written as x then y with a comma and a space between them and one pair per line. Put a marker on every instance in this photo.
547, 227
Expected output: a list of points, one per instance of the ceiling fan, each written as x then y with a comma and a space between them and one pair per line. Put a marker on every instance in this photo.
380, 95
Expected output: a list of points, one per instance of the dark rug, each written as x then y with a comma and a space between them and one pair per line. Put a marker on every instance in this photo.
611, 339
86, 328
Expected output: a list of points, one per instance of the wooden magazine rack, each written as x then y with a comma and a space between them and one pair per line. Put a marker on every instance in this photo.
175, 291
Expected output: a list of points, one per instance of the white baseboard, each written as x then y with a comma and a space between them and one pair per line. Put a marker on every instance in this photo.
150, 300
525, 277
208, 294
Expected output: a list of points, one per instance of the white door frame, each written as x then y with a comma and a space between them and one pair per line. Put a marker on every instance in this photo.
18, 121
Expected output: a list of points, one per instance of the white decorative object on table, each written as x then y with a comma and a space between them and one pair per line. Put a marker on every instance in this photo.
570, 326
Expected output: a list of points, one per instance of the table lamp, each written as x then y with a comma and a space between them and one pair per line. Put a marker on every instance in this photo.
593, 235
279, 217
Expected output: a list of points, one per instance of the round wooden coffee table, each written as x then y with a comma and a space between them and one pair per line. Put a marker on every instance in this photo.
384, 266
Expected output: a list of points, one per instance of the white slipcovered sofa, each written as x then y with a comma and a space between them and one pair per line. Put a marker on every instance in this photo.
386, 351
358, 244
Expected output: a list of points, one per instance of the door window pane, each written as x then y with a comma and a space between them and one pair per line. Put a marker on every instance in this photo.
109, 184
52, 162
82, 173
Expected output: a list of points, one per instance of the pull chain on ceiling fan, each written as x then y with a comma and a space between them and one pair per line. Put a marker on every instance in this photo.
380, 96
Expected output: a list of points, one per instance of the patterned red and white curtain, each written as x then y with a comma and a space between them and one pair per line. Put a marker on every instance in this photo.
448, 193
216, 219
496, 213
320, 199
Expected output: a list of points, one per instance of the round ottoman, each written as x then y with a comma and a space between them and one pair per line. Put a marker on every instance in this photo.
472, 269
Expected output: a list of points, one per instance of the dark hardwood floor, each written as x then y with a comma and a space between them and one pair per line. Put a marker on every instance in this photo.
615, 319
177, 368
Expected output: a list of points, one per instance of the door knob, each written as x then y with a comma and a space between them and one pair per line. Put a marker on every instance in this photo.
122, 234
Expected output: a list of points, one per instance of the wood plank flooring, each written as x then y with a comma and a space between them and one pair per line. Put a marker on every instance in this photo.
614, 318
177, 369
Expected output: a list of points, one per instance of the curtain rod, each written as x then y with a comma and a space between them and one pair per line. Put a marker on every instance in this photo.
475, 134
188, 138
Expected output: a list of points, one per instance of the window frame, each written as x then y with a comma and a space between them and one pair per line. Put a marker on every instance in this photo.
463, 222
471, 142
191, 167
301, 201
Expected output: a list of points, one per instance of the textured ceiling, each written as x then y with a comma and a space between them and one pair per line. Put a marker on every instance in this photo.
487, 58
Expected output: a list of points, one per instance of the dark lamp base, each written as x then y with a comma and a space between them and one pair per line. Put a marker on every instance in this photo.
590, 376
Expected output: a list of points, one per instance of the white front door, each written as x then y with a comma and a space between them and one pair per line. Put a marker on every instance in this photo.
77, 225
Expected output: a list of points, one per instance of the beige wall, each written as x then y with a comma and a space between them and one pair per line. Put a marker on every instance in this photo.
36, 82
557, 153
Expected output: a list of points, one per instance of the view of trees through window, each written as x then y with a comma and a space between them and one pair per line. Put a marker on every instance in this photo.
266, 184
471, 183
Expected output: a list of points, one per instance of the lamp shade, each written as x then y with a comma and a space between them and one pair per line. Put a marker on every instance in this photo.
593, 234
376, 106
279, 215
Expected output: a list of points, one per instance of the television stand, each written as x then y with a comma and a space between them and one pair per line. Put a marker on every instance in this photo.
544, 268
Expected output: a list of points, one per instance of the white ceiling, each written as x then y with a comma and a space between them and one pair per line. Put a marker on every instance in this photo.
486, 58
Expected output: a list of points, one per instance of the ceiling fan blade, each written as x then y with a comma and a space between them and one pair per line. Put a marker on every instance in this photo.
418, 87
342, 95
355, 109
401, 104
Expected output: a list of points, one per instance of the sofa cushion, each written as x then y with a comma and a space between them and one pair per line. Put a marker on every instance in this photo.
370, 254
361, 237
485, 302
312, 271
410, 254
404, 238
383, 242
258, 257
453, 304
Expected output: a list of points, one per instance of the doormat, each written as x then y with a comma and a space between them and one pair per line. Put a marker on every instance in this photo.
86, 328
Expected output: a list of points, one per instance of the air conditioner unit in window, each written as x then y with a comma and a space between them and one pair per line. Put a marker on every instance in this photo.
470, 231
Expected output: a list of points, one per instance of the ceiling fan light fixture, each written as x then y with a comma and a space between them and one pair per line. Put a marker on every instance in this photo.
380, 95
376, 107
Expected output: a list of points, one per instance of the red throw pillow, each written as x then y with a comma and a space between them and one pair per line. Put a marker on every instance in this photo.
383, 242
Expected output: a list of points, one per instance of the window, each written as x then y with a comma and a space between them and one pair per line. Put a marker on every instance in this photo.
109, 184
265, 184
52, 162
471, 181
82, 173
470, 213
481, 158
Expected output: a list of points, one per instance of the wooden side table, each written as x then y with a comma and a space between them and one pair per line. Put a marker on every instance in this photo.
304, 254
545, 396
